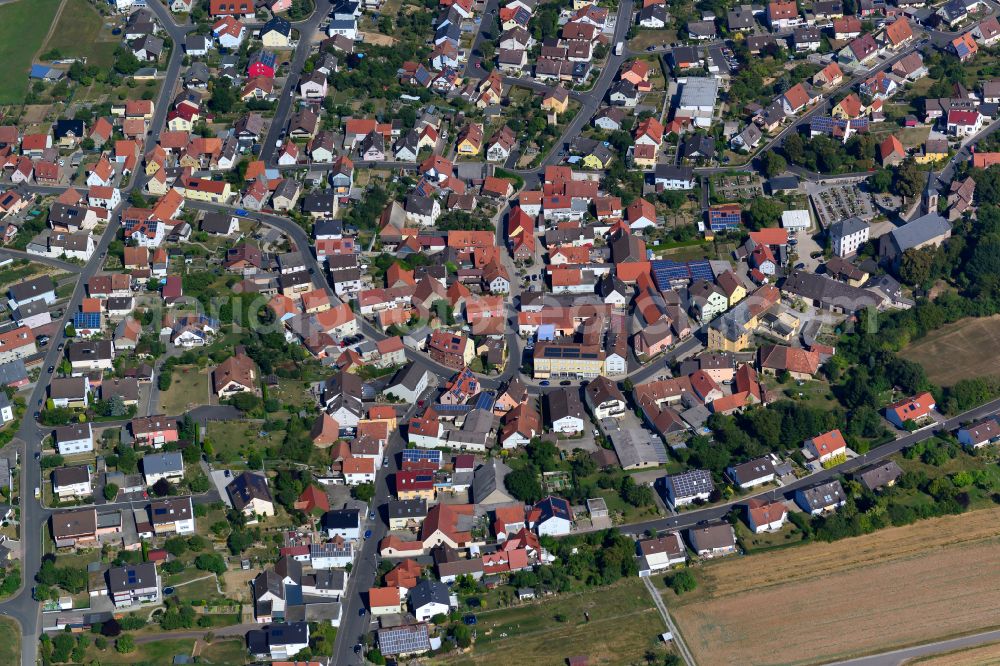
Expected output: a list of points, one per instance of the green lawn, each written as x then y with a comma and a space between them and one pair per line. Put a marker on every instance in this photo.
188, 389
751, 542
223, 652
78, 34
155, 653
10, 636
23, 26
232, 439
623, 625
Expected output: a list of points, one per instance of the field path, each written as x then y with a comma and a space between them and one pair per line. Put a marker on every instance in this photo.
662, 607
52, 29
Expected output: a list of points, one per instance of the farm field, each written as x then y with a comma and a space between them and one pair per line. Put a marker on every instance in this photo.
23, 26
886, 586
188, 389
623, 625
972, 347
78, 34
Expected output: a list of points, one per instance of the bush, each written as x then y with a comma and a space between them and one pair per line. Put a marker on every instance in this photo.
125, 644
211, 562
683, 581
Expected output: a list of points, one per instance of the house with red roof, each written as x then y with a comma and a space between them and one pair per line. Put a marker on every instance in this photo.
917, 409
891, 151
312, 498
827, 445
964, 123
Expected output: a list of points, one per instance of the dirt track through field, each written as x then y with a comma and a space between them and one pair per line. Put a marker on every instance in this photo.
822, 602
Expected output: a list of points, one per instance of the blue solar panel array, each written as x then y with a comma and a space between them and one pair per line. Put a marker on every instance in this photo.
667, 272
419, 455
87, 320
486, 400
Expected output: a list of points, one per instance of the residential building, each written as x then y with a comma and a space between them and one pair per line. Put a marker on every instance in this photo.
661, 552
250, 495
715, 540
133, 584
688, 487
820, 498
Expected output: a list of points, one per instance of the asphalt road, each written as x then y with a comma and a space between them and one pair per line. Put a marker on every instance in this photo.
897, 657
592, 99
352, 625
288, 94
489, 29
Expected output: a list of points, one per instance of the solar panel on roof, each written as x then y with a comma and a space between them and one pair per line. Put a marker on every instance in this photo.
485, 401
417, 455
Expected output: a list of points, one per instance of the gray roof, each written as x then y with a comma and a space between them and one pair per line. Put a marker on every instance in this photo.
709, 537
429, 591
413, 508
691, 483
823, 495
843, 228
828, 292
919, 231
564, 402
489, 478
407, 639
132, 577
408, 377
880, 475
68, 387
699, 91
162, 463
31, 288
68, 476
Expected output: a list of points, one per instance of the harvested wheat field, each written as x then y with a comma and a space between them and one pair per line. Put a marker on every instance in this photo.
821, 602
972, 347
986, 655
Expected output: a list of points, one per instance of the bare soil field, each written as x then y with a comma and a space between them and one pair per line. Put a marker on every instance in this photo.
823, 602
984, 655
966, 344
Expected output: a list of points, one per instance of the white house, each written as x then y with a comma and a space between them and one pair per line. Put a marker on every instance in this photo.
565, 411
75, 438
688, 487
752, 473
826, 446
846, 236
553, 516
821, 498
169, 466
335, 554
172, 515
765, 516
979, 434
71, 482
358, 470
672, 177
345, 523
429, 598
661, 552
